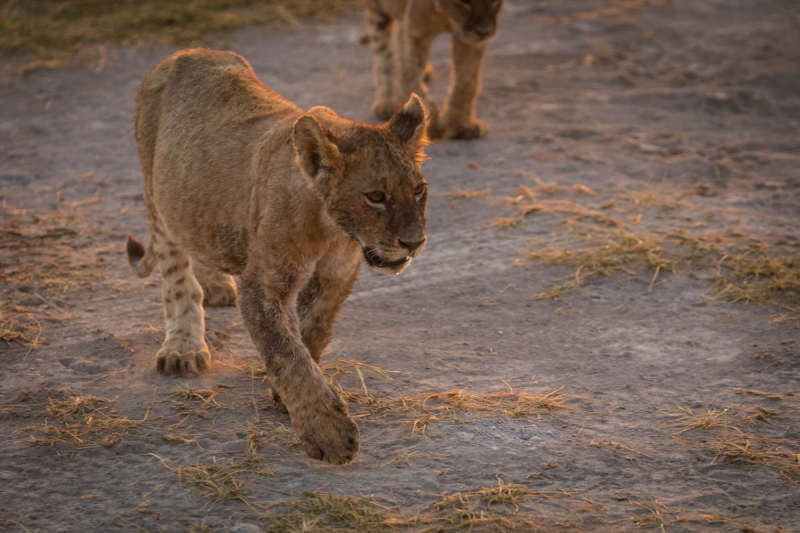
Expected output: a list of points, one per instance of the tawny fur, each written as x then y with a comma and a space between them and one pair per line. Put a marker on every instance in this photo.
240, 181
401, 33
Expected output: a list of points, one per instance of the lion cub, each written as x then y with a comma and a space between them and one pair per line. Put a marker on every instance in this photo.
238, 180
401, 32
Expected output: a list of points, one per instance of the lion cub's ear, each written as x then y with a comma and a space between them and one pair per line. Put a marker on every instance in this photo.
315, 151
410, 123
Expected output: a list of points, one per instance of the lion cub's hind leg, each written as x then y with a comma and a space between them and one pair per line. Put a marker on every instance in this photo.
219, 290
184, 352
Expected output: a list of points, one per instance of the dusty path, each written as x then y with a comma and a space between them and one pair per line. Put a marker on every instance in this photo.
634, 106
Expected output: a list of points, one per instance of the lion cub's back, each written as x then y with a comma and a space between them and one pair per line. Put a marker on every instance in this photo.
200, 90
201, 118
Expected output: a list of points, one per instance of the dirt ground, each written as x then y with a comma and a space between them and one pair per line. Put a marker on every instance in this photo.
674, 408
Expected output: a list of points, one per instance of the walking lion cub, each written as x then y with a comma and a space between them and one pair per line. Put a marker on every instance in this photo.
401, 33
241, 181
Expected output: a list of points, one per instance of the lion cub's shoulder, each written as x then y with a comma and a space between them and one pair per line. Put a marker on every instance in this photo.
195, 63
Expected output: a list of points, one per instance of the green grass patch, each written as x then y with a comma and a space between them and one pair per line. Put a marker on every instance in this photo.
52, 28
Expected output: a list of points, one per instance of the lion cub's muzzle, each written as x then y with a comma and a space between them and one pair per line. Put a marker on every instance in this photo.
375, 259
392, 262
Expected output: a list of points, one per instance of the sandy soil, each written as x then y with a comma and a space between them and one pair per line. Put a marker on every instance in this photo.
637, 106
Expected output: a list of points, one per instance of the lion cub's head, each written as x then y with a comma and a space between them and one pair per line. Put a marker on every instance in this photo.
477, 19
370, 179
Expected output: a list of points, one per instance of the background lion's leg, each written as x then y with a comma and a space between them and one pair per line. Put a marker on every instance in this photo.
184, 352
429, 73
458, 117
411, 61
219, 289
379, 30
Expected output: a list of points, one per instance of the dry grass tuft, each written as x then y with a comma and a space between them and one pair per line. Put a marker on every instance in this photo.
611, 252
788, 318
451, 405
324, 513
767, 395
735, 446
468, 510
90, 432
550, 189
190, 393
711, 419
13, 333
556, 206
466, 194
747, 449
217, 482
506, 494
751, 275
328, 513
596, 242
659, 515
424, 409
270, 433
81, 422
334, 369
206, 398
75, 406
740, 272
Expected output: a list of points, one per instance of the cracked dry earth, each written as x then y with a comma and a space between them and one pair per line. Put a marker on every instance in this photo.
677, 409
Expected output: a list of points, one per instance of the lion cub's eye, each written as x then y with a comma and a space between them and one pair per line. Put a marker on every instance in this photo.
419, 189
376, 197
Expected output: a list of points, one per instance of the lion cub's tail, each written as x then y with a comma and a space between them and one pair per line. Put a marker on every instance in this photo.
142, 263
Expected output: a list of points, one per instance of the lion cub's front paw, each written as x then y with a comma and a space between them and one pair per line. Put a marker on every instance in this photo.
179, 363
219, 294
328, 434
462, 132
385, 109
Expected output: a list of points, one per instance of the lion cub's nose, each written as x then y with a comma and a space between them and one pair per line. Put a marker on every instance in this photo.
412, 245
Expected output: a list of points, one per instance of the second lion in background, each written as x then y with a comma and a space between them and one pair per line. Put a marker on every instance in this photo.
401, 33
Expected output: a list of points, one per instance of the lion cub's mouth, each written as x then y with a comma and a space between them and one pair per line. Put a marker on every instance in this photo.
374, 259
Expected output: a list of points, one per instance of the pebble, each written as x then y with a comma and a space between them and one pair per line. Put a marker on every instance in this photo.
697, 405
